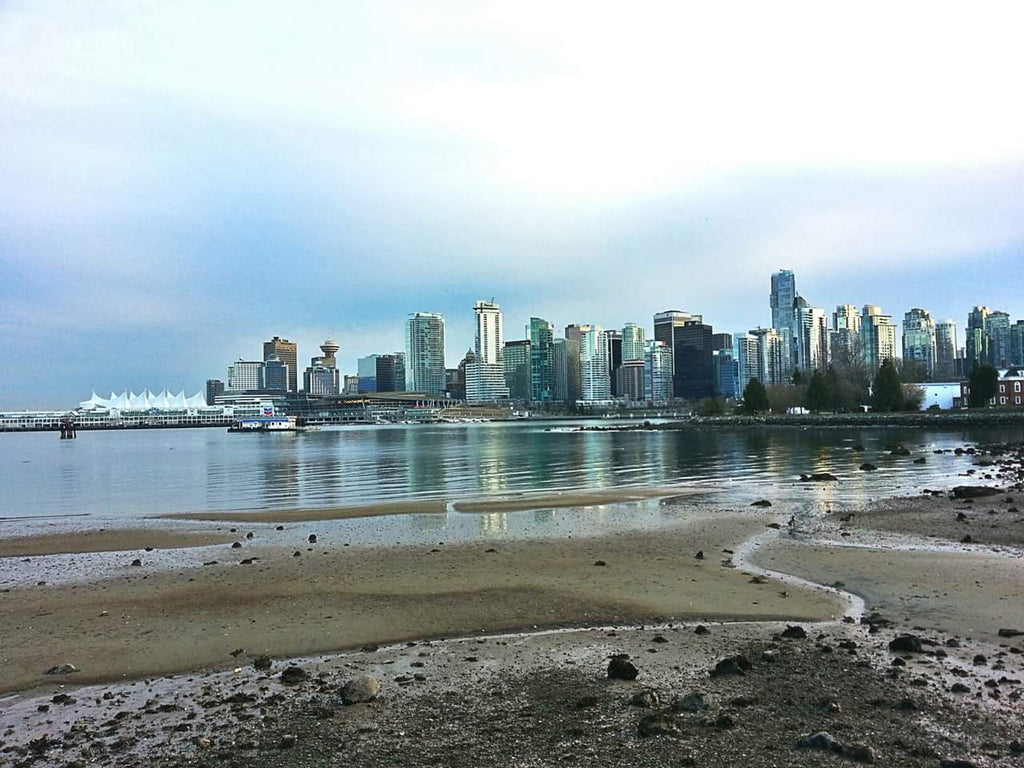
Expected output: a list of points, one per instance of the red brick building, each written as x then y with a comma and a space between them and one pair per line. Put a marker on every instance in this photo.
1009, 391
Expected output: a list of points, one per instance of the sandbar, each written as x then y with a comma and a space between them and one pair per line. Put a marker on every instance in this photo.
107, 540
570, 499
313, 515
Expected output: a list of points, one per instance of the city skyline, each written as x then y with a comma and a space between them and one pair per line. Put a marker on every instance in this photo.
170, 206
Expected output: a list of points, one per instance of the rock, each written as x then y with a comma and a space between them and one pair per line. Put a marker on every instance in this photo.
921, 460
761, 503
249, 535
661, 639
967, 539
818, 477
311, 538
294, 675
899, 451
959, 688
658, 725
775, 526
360, 689
859, 753
1010, 632
980, 660
136, 563
490, 551
288, 741
794, 632
974, 491
248, 560
867, 466
758, 580
724, 720
770, 656
949, 762
732, 665
700, 555
822, 741
621, 668
262, 663
600, 563
961, 517
647, 698
586, 702
905, 644
62, 669
700, 629
236, 545
695, 701
237, 652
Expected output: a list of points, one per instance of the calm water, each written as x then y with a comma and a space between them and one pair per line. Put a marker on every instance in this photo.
124, 475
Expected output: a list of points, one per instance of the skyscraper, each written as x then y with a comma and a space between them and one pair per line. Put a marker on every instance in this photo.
669, 324
541, 335
1017, 343
517, 368
877, 337
245, 375
632, 342
998, 328
844, 338
276, 374
287, 353
595, 384
810, 328
424, 353
945, 351
613, 339
781, 300
919, 341
657, 373
771, 349
214, 388
976, 339
485, 376
693, 362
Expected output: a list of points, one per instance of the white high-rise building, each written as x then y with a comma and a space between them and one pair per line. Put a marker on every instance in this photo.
771, 348
485, 376
595, 382
424, 353
657, 373
877, 337
632, 342
246, 374
945, 350
811, 327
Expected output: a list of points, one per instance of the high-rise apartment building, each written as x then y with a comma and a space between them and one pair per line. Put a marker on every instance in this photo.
657, 373
810, 329
485, 376
745, 348
287, 353
632, 342
945, 351
629, 381
245, 375
782, 299
541, 335
424, 353
877, 337
920, 341
844, 338
571, 362
771, 350
595, 384
516, 359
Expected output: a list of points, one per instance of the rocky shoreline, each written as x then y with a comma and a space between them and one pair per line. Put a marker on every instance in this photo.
936, 419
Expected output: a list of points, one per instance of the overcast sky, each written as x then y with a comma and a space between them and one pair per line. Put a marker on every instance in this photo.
180, 181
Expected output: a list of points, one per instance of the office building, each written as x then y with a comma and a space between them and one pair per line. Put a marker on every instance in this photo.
287, 353
976, 339
668, 326
657, 373
782, 299
693, 363
720, 341
997, 325
632, 342
877, 338
321, 380
629, 381
424, 353
613, 339
945, 351
1017, 343
366, 370
570, 362
245, 375
541, 335
920, 342
214, 388
517, 369
275, 374
485, 376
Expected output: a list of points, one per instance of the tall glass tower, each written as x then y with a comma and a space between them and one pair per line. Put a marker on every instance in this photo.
541, 334
424, 353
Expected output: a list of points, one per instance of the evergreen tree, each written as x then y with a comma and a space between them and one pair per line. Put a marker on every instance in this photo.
755, 398
984, 385
887, 393
819, 395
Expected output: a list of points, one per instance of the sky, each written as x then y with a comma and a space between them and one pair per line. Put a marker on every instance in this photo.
180, 181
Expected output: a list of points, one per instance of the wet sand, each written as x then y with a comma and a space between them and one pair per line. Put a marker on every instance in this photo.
108, 540
334, 597
313, 515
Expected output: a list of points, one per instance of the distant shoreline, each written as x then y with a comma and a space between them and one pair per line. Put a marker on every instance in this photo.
987, 418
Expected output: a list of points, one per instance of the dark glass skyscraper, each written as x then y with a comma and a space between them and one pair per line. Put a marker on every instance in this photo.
541, 335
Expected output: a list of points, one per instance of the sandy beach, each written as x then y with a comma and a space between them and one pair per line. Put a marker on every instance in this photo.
743, 576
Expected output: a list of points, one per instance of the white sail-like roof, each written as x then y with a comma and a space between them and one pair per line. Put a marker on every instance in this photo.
145, 401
